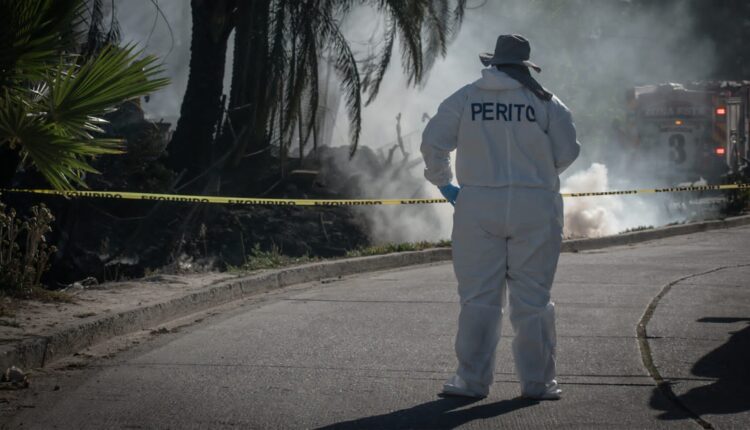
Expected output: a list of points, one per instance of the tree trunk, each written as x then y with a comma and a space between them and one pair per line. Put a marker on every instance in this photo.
248, 106
10, 159
191, 148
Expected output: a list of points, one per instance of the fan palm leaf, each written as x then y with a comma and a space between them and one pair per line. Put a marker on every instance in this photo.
79, 93
58, 157
51, 100
33, 33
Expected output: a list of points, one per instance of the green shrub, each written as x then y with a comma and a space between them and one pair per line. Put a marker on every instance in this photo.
274, 259
259, 260
24, 252
397, 247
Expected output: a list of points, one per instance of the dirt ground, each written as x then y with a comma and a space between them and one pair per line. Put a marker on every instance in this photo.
29, 318
33, 318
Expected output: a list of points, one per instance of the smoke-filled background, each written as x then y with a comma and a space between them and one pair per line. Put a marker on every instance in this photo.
591, 52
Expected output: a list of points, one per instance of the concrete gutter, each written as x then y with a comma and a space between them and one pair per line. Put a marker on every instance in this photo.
576, 245
39, 351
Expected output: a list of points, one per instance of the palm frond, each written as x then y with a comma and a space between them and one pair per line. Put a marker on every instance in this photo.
311, 51
98, 35
78, 93
52, 101
437, 30
59, 158
302, 34
409, 17
424, 29
296, 75
33, 33
458, 17
277, 55
346, 65
370, 84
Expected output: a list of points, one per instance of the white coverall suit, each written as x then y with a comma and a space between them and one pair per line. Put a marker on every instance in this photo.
507, 227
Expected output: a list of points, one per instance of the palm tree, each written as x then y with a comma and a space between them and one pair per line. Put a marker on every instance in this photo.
51, 99
279, 47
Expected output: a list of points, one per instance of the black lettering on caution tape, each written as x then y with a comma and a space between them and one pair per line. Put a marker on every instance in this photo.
347, 202
175, 198
602, 193
250, 202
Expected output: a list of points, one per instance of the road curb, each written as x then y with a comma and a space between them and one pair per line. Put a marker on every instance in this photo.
39, 351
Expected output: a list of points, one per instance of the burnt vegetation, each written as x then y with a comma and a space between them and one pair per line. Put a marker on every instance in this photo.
237, 145
261, 140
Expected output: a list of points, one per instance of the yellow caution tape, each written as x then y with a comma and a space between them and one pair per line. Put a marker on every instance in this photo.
127, 195
662, 190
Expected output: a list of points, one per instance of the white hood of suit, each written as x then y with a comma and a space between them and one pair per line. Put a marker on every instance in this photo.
493, 79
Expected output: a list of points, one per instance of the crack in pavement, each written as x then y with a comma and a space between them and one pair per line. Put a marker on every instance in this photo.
664, 384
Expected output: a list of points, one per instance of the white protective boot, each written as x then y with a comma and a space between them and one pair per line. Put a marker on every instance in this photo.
541, 391
455, 386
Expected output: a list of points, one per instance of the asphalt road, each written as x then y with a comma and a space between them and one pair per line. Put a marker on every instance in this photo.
372, 351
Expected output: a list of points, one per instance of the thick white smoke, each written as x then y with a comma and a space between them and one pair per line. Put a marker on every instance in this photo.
591, 51
608, 215
160, 28
591, 216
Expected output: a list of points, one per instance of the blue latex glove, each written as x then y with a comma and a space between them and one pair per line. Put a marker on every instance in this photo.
450, 192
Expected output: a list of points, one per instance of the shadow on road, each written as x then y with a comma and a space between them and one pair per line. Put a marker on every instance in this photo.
437, 414
729, 365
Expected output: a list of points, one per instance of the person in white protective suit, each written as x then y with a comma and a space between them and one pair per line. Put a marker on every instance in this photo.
512, 140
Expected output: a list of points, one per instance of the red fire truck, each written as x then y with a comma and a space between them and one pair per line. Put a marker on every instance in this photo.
691, 131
